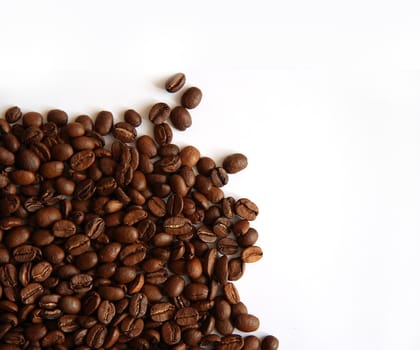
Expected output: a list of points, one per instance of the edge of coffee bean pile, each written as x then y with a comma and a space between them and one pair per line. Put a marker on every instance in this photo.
125, 244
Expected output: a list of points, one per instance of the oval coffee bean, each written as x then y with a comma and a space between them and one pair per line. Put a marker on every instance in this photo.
191, 97
246, 209
111, 293
132, 117
106, 312
251, 254
162, 312
181, 118
96, 335
64, 228
41, 271
270, 343
159, 113
178, 225
235, 162
82, 160
104, 122
175, 82
138, 305
247, 323
124, 132
13, 114
30, 293
187, 316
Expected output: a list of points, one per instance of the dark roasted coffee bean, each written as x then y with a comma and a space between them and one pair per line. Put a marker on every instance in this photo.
159, 113
64, 228
231, 342
41, 271
227, 246
58, 117
235, 162
124, 274
138, 305
13, 114
231, 293
248, 239
124, 132
82, 160
191, 97
86, 121
132, 117
251, 343
175, 82
236, 269
86, 261
125, 234
96, 335
104, 122
162, 312
8, 275
177, 225
246, 209
111, 293
219, 177
269, 343
222, 309
133, 254
54, 337
205, 165
221, 269
106, 312
162, 132
81, 283
187, 316
32, 119
251, 254
26, 253
61, 151
53, 253
181, 118
70, 304
171, 333
90, 303
30, 293
196, 291
247, 322
132, 327
68, 323
47, 216
6, 157
77, 244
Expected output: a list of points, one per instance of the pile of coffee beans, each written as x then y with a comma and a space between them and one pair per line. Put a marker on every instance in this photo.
125, 245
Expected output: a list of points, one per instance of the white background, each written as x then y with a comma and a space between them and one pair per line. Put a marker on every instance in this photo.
323, 97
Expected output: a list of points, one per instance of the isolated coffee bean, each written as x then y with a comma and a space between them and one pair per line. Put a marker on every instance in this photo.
235, 163
191, 97
181, 118
175, 82
251, 254
269, 343
132, 117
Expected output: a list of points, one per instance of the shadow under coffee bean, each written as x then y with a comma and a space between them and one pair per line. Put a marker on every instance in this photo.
125, 245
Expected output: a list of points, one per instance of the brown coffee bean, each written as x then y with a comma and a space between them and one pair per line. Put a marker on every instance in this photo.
70, 304
181, 118
126, 234
104, 122
96, 335
41, 271
64, 228
162, 312
159, 113
6, 157
77, 244
51, 170
175, 82
231, 342
81, 283
162, 132
13, 114
227, 246
138, 305
82, 160
86, 261
133, 254
174, 286
106, 312
30, 293
196, 291
111, 293
235, 162
132, 117
187, 316
124, 132
177, 225
191, 97
124, 274
61, 151
57, 117
132, 327
54, 337
251, 254
47, 216
22, 177
231, 293
247, 323
270, 343
246, 209
26, 253
32, 119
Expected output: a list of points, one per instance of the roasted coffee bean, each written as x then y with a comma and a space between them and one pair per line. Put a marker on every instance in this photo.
231, 293
13, 114
191, 97
26, 253
41, 271
124, 132
269, 343
70, 304
227, 246
22, 177
61, 151
132, 117
64, 228
106, 312
104, 122
178, 225
86, 261
219, 177
238, 309
251, 254
246, 209
77, 244
187, 316
247, 322
54, 337
175, 82
162, 312
30, 293
221, 269
111, 293
236, 269
222, 309
126, 234
196, 291
90, 303
47, 216
81, 283
248, 239
57, 117
181, 118
8, 275
96, 335
231, 342
159, 113
124, 274
53, 253
162, 132
138, 305
171, 333
133, 254
132, 327
235, 162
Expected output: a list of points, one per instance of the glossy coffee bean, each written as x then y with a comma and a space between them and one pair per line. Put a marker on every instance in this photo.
175, 82
191, 97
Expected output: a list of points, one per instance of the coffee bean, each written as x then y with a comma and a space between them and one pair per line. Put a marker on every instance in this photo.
177, 225
96, 335
82, 160
187, 316
159, 113
174, 286
235, 162
26, 253
53, 253
175, 82
138, 305
191, 97
57, 117
196, 291
162, 312
125, 234
86, 261
77, 244
32, 119
269, 343
132, 117
81, 283
247, 323
124, 132
104, 122
124, 274
30, 293
64, 228
246, 209
111, 293
13, 114
251, 254
41, 271
181, 118
132, 327
231, 293
221, 269
70, 304
6, 157
47, 216
53, 337
106, 312
222, 309
231, 342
